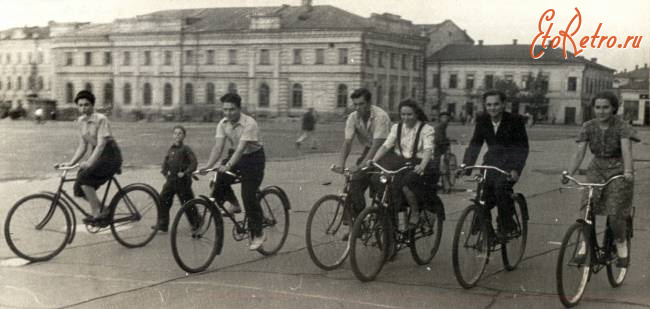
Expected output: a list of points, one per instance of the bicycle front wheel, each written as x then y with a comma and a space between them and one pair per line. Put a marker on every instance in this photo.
196, 235
369, 243
325, 233
470, 248
134, 214
275, 223
573, 265
512, 250
37, 229
425, 240
615, 275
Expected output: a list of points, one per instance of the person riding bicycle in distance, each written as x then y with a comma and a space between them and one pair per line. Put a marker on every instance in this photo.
370, 125
245, 158
410, 141
507, 148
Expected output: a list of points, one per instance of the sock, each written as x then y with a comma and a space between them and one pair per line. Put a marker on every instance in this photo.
583, 248
621, 248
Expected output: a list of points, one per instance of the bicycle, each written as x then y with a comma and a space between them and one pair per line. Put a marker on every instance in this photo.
377, 230
448, 166
595, 258
39, 226
198, 239
475, 238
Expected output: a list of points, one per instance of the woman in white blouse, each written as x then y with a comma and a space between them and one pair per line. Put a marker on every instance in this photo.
105, 158
411, 140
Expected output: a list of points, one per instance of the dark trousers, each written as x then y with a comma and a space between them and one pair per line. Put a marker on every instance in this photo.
359, 183
498, 191
174, 186
251, 170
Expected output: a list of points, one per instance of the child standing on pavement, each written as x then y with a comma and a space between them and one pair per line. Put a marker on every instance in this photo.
178, 166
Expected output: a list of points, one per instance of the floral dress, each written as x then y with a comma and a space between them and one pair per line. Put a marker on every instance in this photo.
605, 145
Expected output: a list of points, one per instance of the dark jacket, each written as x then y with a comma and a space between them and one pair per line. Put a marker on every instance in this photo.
179, 159
507, 150
308, 121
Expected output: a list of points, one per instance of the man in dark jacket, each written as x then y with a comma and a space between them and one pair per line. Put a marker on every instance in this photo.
507, 142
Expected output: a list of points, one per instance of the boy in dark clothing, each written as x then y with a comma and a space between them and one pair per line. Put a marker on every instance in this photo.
178, 166
308, 127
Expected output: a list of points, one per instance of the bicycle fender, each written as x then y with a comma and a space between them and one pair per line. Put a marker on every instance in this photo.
148, 187
524, 205
70, 212
283, 195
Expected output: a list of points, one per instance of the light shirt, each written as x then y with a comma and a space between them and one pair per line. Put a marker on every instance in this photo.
245, 130
94, 127
496, 126
408, 138
377, 127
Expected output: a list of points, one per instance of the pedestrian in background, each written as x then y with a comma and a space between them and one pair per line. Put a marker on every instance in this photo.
309, 119
177, 167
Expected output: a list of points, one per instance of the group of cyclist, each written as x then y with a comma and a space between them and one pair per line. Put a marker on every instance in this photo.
410, 141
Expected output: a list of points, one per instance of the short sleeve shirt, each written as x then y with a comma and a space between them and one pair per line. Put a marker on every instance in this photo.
408, 138
377, 127
94, 127
243, 130
606, 143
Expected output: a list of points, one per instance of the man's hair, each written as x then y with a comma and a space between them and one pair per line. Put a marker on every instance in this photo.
180, 127
502, 96
362, 92
609, 96
85, 94
231, 98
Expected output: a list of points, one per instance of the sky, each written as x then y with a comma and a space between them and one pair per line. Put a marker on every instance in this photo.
494, 22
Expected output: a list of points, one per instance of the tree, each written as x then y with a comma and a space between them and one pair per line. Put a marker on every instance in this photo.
510, 88
535, 95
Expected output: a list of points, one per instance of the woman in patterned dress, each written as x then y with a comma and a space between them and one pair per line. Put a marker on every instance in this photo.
610, 140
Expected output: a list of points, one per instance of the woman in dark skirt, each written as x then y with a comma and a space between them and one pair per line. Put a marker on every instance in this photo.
105, 158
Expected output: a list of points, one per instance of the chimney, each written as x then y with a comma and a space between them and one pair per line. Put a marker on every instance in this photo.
624, 70
594, 60
480, 42
514, 41
306, 2
636, 67
645, 66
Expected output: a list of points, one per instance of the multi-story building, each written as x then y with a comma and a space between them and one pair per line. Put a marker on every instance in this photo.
279, 59
443, 34
457, 75
633, 89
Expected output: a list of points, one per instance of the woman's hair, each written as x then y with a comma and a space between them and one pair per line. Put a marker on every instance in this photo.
609, 96
419, 113
85, 94
180, 127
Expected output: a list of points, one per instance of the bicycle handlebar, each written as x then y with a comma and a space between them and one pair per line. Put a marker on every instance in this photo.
214, 169
66, 168
566, 175
386, 171
483, 167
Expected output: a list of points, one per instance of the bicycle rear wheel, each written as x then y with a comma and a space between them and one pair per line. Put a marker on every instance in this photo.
134, 211
573, 267
470, 248
615, 275
370, 243
196, 235
325, 230
37, 229
425, 240
275, 223
512, 250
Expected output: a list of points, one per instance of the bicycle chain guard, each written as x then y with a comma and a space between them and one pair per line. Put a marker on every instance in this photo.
239, 231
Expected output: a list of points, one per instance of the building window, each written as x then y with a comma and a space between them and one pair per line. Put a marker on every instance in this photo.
414, 92
469, 81
88, 58
263, 95
436, 80
265, 56
0, 85
508, 77
453, 81
39, 59
168, 93
380, 59
19, 82
189, 94
69, 92
393, 61
232, 88
342, 96
209, 93
525, 81
108, 94
232, 56
69, 58
147, 58
404, 93
168, 57
380, 96
146, 94
8, 83
297, 56
416, 63
108, 58
296, 96
31, 82
127, 58
189, 57
88, 87
343, 56
369, 57
126, 94
489, 81
391, 98
30, 57
209, 56
404, 62
572, 84
20, 58
320, 56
